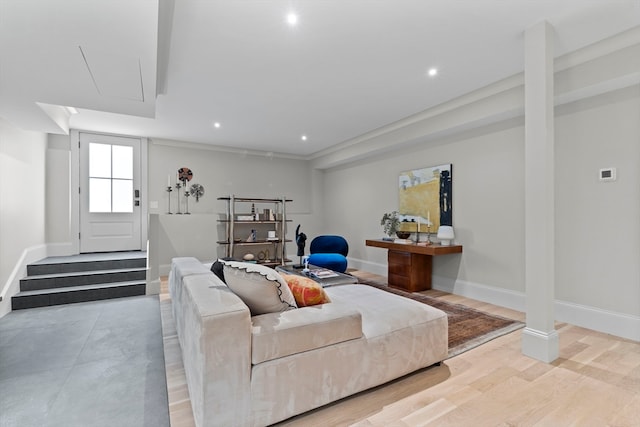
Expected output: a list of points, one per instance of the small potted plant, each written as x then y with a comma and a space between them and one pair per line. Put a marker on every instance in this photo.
390, 224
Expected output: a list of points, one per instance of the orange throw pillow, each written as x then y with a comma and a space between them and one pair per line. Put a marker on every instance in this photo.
305, 291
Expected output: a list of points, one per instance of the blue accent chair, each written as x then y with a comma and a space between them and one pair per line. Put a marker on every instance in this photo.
330, 252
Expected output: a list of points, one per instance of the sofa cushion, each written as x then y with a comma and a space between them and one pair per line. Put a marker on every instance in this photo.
261, 288
277, 335
218, 267
180, 268
382, 312
305, 290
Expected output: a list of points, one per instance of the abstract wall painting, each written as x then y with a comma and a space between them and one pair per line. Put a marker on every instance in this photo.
425, 198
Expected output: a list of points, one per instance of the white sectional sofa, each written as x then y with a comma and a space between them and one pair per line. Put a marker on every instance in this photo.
245, 370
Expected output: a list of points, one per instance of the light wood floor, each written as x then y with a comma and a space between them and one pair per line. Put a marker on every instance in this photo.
594, 382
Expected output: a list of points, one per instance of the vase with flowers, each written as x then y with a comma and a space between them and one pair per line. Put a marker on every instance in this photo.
390, 223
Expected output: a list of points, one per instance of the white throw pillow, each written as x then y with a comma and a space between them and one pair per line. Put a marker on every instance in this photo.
261, 288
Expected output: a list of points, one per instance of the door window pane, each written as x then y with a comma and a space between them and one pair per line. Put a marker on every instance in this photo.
122, 195
122, 162
110, 178
99, 195
99, 160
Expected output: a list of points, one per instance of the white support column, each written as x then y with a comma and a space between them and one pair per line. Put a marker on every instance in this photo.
539, 338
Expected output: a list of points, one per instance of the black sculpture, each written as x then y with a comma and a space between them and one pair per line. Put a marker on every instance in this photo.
301, 240
445, 198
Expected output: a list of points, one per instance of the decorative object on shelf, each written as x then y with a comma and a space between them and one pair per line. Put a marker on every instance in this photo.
263, 256
403, 234
428, 232
169, 190
419, 230
390, 223
249, 257
425, 192
187, 193
267, 215
178, 187
271, 235
445, 235
197, 191
252, 236
301, 240
184, 175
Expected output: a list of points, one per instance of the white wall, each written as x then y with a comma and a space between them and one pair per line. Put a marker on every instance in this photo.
220, 172
598, 223
22, 203
597, 237
58, 187
597, 227
598, 230
223, 173
487, 197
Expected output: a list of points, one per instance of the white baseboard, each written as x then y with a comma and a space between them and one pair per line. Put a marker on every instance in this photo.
12, 286
371, 267
502, 297
153, 287
540, 345
618, 324
164, 269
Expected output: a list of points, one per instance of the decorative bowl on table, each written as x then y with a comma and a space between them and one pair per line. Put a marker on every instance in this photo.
403, 234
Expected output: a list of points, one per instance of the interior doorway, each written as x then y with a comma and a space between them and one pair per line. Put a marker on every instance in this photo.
110, 190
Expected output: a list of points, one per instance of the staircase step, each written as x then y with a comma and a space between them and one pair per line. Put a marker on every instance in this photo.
88, 262
80, 278
63, 280
73, 294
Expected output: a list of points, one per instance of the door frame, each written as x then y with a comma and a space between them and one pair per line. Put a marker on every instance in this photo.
74, 226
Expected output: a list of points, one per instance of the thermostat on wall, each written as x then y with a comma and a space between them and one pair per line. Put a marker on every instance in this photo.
608, 174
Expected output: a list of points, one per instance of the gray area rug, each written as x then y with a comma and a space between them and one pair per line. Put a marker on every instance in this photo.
89, 364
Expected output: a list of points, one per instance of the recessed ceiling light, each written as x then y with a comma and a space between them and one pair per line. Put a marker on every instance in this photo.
292, 18
303, 137
432, 72
216, 125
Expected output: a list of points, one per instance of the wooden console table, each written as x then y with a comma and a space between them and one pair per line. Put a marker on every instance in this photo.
409, 265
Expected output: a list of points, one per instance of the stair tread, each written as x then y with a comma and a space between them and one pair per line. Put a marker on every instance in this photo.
96, 257
79, 288
78, 278
83, 273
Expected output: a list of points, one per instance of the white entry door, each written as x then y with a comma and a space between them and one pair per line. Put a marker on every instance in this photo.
110, 212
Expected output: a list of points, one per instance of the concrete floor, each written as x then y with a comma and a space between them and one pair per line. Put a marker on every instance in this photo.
88, 364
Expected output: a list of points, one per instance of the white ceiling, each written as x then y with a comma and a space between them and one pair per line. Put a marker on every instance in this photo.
170, 69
